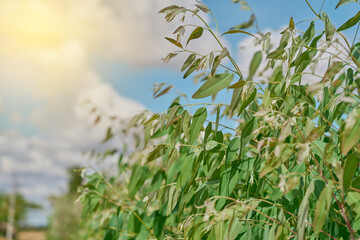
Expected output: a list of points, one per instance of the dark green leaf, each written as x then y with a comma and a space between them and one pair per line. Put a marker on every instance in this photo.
173, 41
247, 102
188, 61
349, 23
195, 34
238, 84
341, 2
291, 23
192, 68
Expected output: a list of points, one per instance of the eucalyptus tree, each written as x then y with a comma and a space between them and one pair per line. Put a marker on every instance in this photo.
286, 167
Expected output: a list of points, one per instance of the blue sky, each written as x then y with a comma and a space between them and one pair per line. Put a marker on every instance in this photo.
58, 53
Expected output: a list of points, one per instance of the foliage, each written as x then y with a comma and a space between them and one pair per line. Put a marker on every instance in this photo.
21, 208
65, 222
287, 167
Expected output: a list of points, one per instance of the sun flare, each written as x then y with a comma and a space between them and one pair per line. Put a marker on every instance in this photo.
33, 24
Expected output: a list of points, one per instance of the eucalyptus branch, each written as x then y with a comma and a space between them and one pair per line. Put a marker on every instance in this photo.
218, 40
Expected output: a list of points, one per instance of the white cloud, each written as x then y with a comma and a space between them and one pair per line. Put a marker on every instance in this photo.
47, 50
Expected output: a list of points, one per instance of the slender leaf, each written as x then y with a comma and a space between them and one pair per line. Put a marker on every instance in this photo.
213, 85
175, 42
195, 34
197, 123
351, 132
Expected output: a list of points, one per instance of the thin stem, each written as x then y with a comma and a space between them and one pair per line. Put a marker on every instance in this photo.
322, 5
217, 39
312, 9
357, 29
217, 27
231, 70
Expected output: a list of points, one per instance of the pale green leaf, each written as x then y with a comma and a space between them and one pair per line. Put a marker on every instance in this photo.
322, 208
255, 63
351, 133
303, 211
197, 123
213, 85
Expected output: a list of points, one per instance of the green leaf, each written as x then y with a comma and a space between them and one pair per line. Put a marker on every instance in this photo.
186, 170
351, 133
349, 23
232, 150
303, 211
277, 54
309, 33
341, 2
173, 41
349, 170
247, 102
157, 152
238, 84
197, 123
329, 28
322, 208
216, 63
188, 61
171, 115
195, 34
238, 31
192, 68
353, 199
291, 23
255, 63
185, 123
213, 85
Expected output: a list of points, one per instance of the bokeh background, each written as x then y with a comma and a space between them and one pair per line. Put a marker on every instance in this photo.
56, 56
